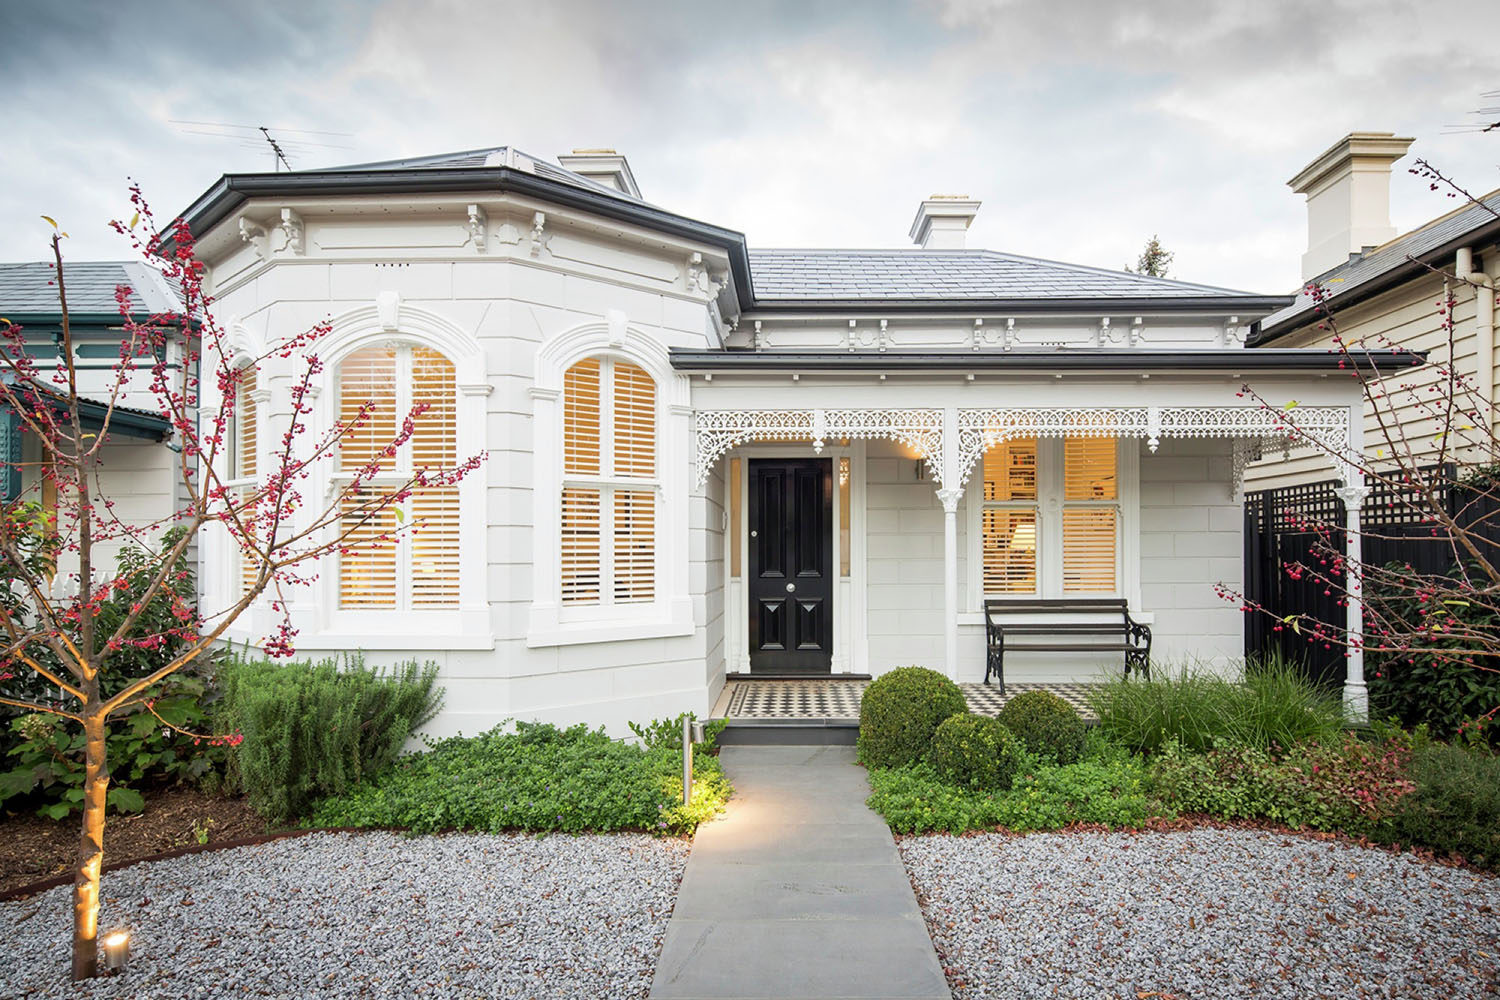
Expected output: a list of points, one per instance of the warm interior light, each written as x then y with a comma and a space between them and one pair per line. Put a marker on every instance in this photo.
1024, 536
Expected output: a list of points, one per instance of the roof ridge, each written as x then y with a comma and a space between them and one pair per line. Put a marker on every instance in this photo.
1480, 202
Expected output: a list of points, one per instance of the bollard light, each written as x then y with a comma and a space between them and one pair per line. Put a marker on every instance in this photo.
687, 759
697, 731
116, 950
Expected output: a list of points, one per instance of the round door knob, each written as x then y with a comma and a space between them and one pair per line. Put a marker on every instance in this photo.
791, 587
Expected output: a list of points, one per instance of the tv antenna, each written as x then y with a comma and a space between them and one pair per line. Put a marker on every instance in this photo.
286, 144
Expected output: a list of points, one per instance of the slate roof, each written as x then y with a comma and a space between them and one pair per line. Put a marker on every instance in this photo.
494, 155
1373, 272
914, 275
29, 289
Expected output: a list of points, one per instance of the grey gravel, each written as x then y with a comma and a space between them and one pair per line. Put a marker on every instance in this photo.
370, 915
1204, 914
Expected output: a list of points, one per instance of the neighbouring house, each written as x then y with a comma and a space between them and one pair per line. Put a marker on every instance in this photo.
1386, 290
708, 460
137, 469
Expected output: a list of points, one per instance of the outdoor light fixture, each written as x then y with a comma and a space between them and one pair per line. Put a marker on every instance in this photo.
692, 732
116, 950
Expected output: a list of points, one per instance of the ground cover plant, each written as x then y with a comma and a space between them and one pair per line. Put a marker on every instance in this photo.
534, 777
312, 729
1106, 786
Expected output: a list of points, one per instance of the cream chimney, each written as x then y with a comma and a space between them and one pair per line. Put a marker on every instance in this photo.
1348, 192
942, 221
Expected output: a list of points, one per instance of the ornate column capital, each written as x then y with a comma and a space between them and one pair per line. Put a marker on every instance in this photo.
950, 499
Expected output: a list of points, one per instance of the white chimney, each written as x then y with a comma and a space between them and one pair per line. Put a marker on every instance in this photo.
603, 166
942, 221
1348, 192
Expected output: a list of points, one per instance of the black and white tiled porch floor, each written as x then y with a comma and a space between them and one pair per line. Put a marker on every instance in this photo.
834, 699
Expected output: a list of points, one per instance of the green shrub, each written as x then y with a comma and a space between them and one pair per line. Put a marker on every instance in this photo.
46, 759
1455, 807
314, 729
667, 733
537, 778
1110, 790
1274, 705
1348, 786
899, 713
975, 751
1437, 689
1049, 726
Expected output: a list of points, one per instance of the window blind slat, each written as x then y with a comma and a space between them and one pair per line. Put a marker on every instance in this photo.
580, 546
1010, 470
367, 376
1090, 536
581, 425
367, 567
634, 546
1009, 551
246, 452
635, 421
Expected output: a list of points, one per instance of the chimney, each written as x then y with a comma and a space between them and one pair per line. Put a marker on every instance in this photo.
603, 166
1348, 192
942, 221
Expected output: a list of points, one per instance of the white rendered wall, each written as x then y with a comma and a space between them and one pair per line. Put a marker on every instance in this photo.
1191, 539
511, 304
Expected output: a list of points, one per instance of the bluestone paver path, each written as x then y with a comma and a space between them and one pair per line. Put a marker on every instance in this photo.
797, 891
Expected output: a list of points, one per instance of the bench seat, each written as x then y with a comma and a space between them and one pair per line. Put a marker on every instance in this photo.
1102, 617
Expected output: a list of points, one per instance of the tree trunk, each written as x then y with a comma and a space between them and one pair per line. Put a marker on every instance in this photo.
90, 850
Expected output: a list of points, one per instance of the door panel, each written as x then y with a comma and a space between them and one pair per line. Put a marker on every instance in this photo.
791, 550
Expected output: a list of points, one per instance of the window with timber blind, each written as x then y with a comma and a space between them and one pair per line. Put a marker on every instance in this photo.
416, 569
1050, 517
610, 484
243, 448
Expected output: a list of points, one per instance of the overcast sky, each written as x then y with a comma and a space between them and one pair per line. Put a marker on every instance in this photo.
1085, 127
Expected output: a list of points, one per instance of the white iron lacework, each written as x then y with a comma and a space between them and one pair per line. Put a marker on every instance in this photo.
1324, 427
720, 430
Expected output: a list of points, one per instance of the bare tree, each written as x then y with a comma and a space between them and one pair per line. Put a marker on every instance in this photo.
50, 633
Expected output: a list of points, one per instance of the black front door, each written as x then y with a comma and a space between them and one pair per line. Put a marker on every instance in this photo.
791, 582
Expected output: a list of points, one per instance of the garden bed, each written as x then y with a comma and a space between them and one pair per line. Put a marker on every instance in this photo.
33, 848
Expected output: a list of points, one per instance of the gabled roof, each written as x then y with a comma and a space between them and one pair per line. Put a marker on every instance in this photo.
808, 277
492, 156
29, 291
1387, 265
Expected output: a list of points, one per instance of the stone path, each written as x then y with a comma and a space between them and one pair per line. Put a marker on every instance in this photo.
797, 892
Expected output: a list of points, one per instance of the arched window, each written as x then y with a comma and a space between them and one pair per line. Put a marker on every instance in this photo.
387, 567
610, 484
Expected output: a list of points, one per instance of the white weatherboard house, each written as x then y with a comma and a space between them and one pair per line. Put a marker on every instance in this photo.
707, 460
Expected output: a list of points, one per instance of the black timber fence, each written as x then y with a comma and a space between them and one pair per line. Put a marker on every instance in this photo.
1284, 527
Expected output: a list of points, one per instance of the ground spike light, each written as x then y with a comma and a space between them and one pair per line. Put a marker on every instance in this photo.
117, 951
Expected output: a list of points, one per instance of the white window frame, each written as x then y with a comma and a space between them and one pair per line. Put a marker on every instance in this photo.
1049, 505
391, 476
609, 483
670, 613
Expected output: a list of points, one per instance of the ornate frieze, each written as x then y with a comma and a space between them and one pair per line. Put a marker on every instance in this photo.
921, 429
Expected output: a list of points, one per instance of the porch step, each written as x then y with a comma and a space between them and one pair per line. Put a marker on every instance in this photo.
789, 732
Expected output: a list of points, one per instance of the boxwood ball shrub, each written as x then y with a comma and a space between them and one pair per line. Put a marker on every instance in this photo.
975, 751
1047, 724
900, 712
